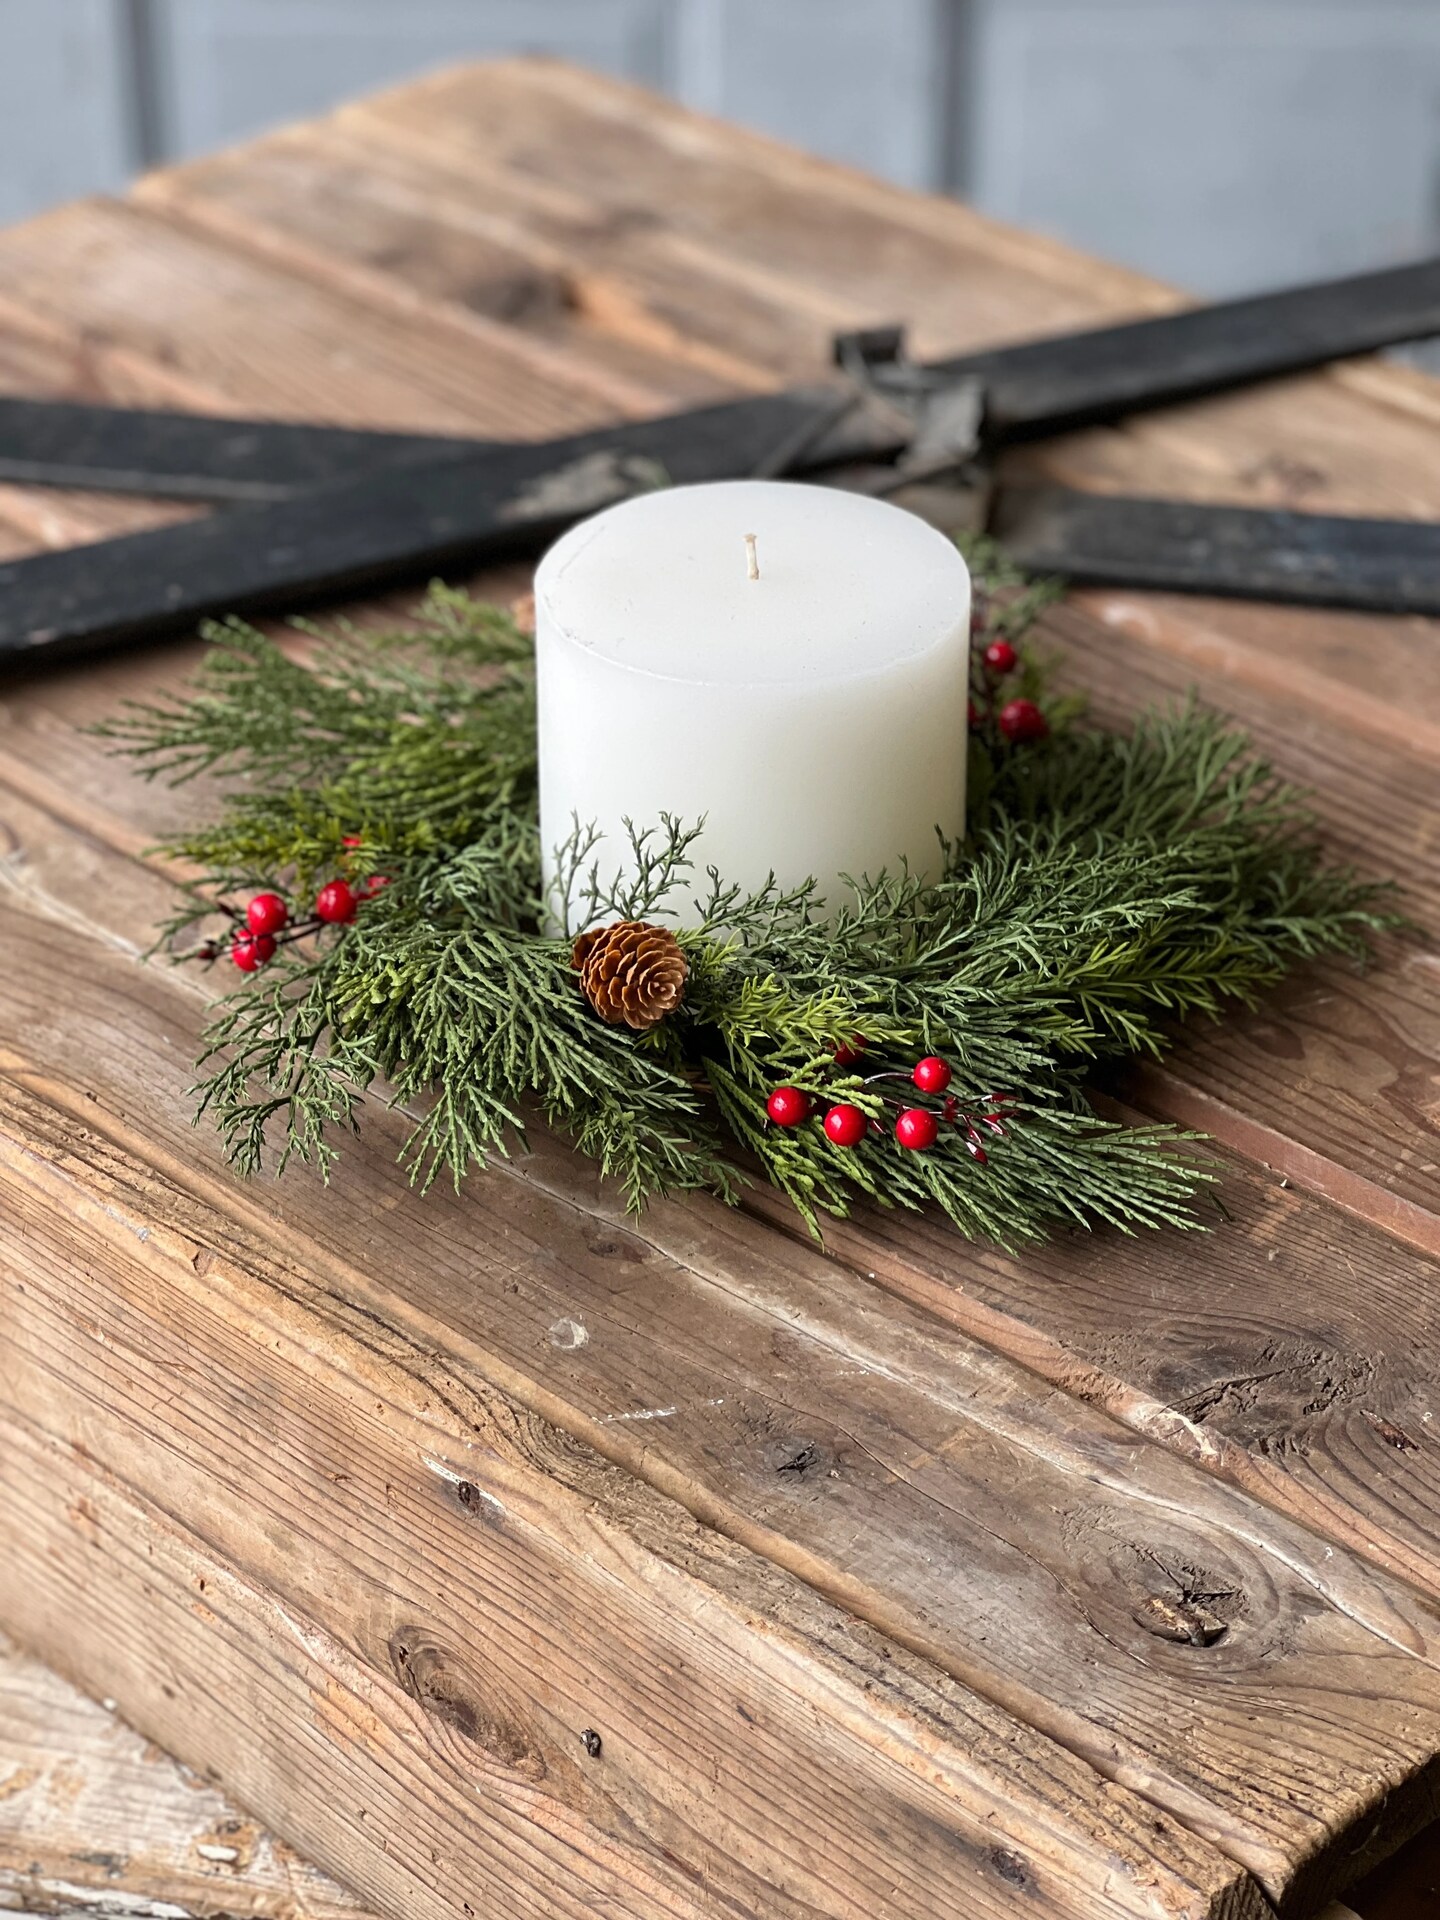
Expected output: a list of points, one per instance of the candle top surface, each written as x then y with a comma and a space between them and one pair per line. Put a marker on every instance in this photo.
663, 585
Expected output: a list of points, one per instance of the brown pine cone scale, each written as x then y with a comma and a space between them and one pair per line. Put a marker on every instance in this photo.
632, 973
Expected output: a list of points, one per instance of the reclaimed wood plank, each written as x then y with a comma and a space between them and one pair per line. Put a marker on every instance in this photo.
1408, 1151
96, 1819
1377, 1491
409, 240
1341, 1067
275, 340
49, 356
1331, 1081
805, 222
1294, 1354
427, 1596
530, 254
994, 1512
1357, 672
42, 519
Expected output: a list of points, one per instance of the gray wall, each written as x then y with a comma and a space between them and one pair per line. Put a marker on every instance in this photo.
1222, 144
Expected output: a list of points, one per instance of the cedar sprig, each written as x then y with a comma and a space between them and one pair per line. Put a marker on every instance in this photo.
1112, 884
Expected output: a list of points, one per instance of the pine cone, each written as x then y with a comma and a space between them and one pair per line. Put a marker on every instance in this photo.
632, 974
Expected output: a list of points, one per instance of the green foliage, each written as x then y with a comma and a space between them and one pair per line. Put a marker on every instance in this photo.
1111, 885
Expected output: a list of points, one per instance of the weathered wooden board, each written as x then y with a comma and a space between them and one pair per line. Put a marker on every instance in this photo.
426, 1595
996, 1539
94, 1819
312, 354
997, 1510
1318, 1124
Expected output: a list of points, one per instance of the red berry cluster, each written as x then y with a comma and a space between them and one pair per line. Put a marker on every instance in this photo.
1020, 722
916, 1128
266, 925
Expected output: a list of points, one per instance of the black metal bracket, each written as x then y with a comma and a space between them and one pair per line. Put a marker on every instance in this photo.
317, 511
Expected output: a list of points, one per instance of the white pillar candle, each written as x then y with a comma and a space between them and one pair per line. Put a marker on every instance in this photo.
789, 662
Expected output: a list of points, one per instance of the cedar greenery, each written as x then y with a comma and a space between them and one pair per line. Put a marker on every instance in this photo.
1110, 885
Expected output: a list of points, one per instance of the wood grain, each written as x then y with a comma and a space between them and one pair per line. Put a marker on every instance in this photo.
357, 215
93, 1818
427, 209
276, 340
997, 1510
426, 1594
1343, 1067
1378, 1495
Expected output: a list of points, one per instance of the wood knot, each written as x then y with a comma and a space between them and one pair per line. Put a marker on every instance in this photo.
1274, 1399
1186, 1604
798, 1458
617, 1246
1175, 1586
1190, 1621
1009, 1866
591, 1741
443, 1687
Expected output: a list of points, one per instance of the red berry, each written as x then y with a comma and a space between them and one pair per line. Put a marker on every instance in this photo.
336, 902
952, 1108
931, 1074
1022, 721
252, 950
849, 1051
917, 1128
846, 1125
377, 883
788, 1106
352, 840
266, 913
1001, 657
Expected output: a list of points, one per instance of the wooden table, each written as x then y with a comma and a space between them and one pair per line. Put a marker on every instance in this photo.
96, 1820
902, 1578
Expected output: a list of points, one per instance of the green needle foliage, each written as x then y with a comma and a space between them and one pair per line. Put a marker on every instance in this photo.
1111, 885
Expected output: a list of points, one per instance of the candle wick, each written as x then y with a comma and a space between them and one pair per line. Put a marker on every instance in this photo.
752, 559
